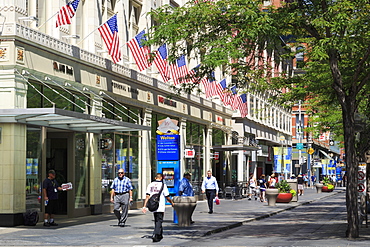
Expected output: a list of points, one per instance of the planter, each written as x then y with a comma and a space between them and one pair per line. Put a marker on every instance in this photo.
325, 189
284, 197
271, 195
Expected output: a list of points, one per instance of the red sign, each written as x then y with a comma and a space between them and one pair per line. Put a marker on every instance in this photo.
189, 153
216, 155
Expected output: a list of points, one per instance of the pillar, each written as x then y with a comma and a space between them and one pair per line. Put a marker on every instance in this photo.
13, 90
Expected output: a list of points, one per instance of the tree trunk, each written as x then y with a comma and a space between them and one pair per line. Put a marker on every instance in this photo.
352, 167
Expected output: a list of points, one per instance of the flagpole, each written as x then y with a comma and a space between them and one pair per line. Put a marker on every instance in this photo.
95, 29
47, 20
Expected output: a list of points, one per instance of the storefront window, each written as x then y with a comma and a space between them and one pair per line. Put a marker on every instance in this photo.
195, 140
81, 160
108, 170
33, 176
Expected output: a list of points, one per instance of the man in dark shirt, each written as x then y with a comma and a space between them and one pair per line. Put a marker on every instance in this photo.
50, 189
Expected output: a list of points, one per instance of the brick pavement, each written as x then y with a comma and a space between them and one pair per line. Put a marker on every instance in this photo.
101, 230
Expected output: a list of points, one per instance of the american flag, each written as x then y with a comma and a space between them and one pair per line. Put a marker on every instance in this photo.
66, 13
243, 108
109, 33
161, 63
223, 92
234, 98
139, 51
179, 70
210, 86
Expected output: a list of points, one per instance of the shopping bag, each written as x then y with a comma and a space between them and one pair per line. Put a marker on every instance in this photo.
217, 201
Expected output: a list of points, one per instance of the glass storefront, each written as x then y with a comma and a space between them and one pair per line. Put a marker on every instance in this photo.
123, 153
33, 174
81, 170
195, 139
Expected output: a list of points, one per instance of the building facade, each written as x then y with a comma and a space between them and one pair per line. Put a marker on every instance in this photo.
66, 106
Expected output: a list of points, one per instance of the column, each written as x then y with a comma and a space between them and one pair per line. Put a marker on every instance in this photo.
207, 153
145, 161
95, 174
182, 144
12, 151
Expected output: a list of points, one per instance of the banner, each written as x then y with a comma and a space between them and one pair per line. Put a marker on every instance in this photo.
282, 159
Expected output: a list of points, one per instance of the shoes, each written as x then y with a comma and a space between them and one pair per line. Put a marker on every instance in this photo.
157, 238
210, 212
46, 224
249, 199
192, 222
255, 198
121, 225
53, 224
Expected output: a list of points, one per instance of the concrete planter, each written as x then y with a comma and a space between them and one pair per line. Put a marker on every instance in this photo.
318, 187
271, 195
184, 207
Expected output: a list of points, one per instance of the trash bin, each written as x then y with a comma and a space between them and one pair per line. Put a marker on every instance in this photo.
294, 186
184, 207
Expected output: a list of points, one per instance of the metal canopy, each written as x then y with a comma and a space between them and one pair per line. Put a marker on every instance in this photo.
67, 120
234, 147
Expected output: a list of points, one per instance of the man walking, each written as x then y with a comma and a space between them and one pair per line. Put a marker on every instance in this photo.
121, 196
154, 188
50, 189
210, 187
186, 189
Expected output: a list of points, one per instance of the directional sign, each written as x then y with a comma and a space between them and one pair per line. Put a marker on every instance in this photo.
299, 146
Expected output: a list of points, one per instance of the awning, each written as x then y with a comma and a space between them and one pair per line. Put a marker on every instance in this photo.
326, 155
268, 140
234, 148
67, 120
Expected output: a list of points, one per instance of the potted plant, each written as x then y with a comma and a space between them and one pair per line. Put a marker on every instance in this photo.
285, 192
327, 185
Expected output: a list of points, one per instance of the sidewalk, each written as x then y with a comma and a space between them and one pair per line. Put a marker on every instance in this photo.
101, 230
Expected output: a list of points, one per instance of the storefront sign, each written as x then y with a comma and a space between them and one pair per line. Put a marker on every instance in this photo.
189, 153
62, 68
168, 147
125, 88
166, 101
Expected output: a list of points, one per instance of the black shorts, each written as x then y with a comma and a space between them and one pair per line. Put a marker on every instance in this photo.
52, 207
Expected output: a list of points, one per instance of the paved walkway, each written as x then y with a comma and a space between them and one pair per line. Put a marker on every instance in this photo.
101, 230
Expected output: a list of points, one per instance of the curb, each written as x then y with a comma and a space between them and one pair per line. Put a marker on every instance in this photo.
237, 224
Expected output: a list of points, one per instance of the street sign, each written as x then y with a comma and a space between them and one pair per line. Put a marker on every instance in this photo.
361, 175
299, 146
310, 151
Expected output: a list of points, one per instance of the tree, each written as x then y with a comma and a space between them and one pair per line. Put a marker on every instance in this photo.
229, 34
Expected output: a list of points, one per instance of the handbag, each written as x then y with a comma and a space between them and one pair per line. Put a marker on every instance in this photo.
153, 202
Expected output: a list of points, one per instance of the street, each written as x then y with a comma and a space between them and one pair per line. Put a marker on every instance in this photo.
316, 220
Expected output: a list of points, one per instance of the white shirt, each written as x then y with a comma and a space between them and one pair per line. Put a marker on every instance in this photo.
153, 188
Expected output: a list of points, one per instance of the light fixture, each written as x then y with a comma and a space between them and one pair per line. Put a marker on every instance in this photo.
28, 18
74, 36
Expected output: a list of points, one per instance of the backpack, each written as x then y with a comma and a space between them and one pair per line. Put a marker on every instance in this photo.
153, 202
30, 218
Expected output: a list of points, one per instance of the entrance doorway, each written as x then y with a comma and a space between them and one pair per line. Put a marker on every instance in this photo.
57, 159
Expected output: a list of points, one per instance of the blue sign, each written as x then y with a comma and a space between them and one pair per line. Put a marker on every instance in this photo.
168, 147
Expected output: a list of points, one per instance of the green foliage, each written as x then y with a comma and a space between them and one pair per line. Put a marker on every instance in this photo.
283, 186
293, 192
326, 181
330, 186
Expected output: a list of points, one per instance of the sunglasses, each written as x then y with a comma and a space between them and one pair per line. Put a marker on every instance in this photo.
121, 173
